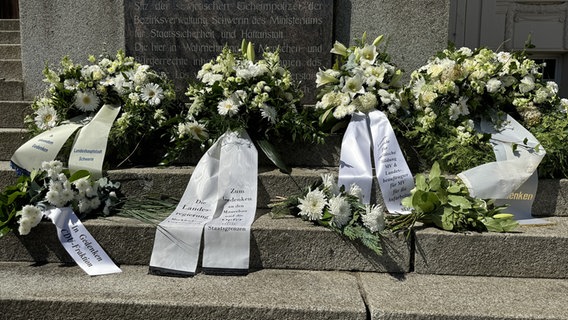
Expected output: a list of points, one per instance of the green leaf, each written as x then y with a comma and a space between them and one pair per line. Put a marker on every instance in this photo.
273, 155
424, 201
421, 183
435, 172
78, 175
500, 225
454, 188
459, 201
435, 183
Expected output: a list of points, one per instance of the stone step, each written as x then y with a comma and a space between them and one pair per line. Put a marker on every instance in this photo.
13, 113
54, 291
9, 37
10, 24
11, 139
291, 243
11, 69
551, 198
10, 51
286, 243
11, 90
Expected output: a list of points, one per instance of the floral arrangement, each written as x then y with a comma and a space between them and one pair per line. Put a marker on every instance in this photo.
341, 210
447, 205
435, 201
22, 205
459, 87
146, 98
234, 91
361, 80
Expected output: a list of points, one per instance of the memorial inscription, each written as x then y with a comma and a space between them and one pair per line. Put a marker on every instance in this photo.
179, 36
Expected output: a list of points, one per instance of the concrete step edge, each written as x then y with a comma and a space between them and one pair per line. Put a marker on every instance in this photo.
275, 294
266, 294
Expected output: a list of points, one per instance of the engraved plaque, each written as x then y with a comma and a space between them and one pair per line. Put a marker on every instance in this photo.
179, 36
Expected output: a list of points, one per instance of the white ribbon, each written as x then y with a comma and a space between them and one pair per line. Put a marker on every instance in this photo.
178, 237
510, 174
89, 148
374, 133
227, 236
220, 196
80, 244
43, 147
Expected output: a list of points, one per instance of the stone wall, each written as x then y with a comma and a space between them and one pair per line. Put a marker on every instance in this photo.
53, 29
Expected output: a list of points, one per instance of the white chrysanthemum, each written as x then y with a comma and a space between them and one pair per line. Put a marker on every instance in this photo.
356, 191
269, 113
33, 214
493, 85
340, 210
152, 93
86, 100
312, 205
46, 117
341, 112
82, 184
504, 57
552, 86
193, 129
55, 186
228, 107
330, 183
67, 195
374, 218
55, 198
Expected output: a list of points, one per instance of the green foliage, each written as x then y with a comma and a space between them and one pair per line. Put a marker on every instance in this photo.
446, 204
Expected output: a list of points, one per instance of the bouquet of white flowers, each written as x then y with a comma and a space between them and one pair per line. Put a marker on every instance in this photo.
77, 92
362, 80
234, 91
23, 204
326, 204
458, 88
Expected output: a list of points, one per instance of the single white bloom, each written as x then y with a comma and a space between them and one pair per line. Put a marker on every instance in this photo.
152, 93
356, 191
527, 84
70, 84
340, 210
552, 86
82, 184
326, 77
194, 130
33, 214
367, 102
46, 117
228, 107
493, 85
312, 205
86, 100
329, 182
269, 113
353, 85
368, 54
374, 218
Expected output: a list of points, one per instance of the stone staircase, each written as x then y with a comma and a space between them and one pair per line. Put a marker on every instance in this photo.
298, 270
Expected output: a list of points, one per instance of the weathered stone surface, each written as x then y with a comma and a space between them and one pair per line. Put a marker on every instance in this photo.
287, 243
435, 297
179, 36
13, 113
52, 291
534, 251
